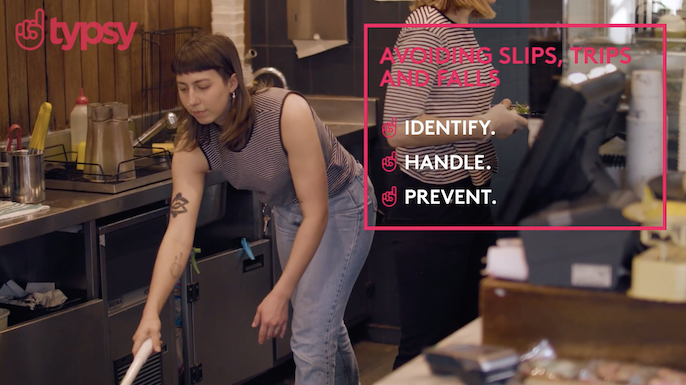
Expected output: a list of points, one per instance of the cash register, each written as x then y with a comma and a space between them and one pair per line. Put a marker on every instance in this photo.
563, 182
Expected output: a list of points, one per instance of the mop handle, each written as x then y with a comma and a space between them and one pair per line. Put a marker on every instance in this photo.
138, 361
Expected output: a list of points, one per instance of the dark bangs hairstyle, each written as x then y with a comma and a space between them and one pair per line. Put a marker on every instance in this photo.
216, 52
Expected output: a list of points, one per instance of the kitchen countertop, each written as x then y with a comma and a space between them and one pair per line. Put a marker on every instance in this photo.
70, 208
417, 371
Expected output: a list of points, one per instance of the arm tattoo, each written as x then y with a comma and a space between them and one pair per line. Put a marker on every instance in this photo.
178, 205
176, 269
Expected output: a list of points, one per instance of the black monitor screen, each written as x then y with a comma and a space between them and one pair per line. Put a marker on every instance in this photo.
564, 163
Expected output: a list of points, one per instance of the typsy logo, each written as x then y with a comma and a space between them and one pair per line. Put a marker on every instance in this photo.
109, 33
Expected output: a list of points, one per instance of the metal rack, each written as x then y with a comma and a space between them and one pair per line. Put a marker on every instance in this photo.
151, 165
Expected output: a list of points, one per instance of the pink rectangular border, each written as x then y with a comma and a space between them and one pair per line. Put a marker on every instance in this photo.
367, 26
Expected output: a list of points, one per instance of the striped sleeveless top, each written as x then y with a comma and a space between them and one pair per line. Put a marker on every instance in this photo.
262, 165
405, 102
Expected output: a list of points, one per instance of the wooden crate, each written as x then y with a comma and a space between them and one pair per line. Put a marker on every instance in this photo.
583, 324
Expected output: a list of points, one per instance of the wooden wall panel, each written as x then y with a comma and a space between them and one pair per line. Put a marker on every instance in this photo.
194, 13
72, 61
35, 65
137, 14
29, 78
4, 87
180, 13
206, 15
166, 8
89, 56
16, 67
54, 63
152, 15
122, 59
152, 19
106, 70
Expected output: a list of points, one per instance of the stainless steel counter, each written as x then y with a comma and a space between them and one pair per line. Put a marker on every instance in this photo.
70, 208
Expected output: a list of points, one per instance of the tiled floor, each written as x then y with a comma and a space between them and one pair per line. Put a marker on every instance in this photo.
374, 359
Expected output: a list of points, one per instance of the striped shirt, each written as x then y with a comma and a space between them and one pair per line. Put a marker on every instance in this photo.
404, 102
262, 165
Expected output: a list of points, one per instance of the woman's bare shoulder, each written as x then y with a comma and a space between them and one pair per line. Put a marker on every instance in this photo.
189, 158
295, 109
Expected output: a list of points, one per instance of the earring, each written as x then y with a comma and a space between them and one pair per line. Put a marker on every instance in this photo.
233, 95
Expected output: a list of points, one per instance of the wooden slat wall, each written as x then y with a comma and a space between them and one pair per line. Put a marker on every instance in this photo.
29, 78
206, 14
136, 14
89, 57
18, 90
55, 63
4, 85
122, 59
72, 62
35, 68
106, 72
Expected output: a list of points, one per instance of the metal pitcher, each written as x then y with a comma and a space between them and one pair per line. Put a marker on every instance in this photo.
109, 147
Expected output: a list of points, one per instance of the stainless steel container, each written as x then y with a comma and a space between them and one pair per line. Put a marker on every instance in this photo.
110, 154
27, 177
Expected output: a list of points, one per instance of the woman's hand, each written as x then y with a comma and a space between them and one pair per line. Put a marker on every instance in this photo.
149, 327
271, 317
504, 122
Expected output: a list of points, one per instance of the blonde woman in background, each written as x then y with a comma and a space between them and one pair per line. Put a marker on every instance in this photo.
438, 272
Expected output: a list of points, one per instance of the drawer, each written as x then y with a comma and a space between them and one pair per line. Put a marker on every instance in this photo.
128, 249
123, 324
231, 286
67, 348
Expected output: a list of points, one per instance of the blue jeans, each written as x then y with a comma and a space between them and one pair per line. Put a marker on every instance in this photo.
321, 347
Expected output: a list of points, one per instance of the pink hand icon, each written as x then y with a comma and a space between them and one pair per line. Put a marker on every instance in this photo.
388, 163
31, 30
388, 129
390, 197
